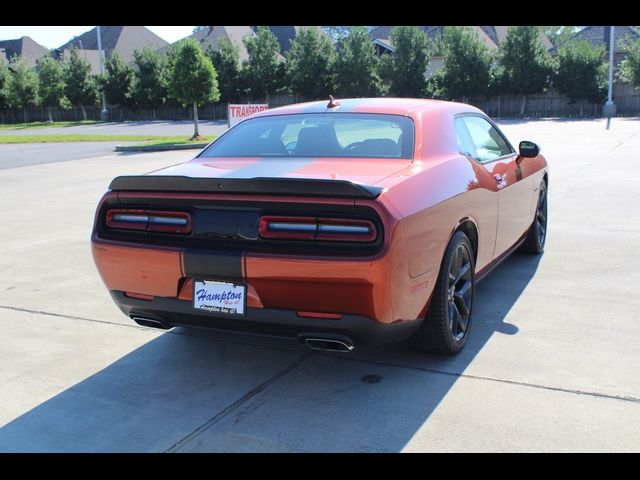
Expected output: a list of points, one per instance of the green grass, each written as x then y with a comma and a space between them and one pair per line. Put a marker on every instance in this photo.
95, 138
169, 143
35, 125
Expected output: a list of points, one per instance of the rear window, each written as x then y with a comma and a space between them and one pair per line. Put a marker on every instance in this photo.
351, 135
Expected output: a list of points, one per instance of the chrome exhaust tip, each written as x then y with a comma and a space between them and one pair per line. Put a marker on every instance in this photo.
150, 322
329, 344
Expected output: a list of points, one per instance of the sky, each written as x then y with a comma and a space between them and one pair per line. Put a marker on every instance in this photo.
53, 37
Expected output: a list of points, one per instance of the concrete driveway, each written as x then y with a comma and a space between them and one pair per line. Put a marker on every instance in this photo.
551, 365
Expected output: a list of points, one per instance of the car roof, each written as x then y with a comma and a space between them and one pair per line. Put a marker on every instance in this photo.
388, 105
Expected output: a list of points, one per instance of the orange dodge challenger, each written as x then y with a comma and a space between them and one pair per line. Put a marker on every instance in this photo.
341, 224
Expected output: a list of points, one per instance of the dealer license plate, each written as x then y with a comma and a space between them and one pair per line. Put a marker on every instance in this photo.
221, 298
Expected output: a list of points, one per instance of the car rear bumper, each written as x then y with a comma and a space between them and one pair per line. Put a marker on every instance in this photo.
358, 330
378, 289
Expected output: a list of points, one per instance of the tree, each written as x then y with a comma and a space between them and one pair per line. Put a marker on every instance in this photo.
338, 32
193, 80
22, 88
581, 72
227, 64
525, 65
117, 82
80, 87
467, 64
357, 66
198, 28
309, 65
629, 69
51, 84
559, 36
4, 80
404, 70
150, 79
261, 73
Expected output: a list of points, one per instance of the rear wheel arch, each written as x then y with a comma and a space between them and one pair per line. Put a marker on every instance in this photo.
447, 321
469, 228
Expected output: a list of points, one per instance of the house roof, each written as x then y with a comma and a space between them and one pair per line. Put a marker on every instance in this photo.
597, 35
24, 47
491, 33
284, 34
491, 36
90, 56
123, 39
212, 35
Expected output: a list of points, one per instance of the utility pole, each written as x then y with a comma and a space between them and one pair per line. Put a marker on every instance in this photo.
104, 114
610, 107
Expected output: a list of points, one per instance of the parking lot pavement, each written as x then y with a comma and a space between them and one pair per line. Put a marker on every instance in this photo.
551, 364
17, 155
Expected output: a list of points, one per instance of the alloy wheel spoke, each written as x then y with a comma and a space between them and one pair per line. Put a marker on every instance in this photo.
453, 317
463, 322
457, 262
459, 292
542, 228
462, 273
541, 217
461, 298
542, 201
461, 326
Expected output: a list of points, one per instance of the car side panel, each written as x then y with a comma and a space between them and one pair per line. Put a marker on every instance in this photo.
440, 195
517, 199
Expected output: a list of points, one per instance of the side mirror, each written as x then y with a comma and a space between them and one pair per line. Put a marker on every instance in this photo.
528, 149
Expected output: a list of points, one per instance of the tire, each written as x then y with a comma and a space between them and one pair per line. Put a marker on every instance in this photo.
534, 243
438, 334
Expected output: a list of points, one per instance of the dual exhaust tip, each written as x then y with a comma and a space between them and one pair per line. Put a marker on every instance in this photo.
150, 322
324, 344
329, 344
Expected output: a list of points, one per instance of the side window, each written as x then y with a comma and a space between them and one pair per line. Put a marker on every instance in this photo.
489, 143
465, 144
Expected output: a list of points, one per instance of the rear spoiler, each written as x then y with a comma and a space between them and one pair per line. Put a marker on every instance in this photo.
307, 187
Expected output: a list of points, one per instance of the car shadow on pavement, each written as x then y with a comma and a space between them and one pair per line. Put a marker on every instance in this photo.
206, 391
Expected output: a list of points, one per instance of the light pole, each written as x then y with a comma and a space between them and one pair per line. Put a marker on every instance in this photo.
610, 107
104, 114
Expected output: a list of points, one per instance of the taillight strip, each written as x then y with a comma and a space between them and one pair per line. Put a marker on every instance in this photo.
150, 220
349, 229
292, 227
130, 218
312, 228
167, 220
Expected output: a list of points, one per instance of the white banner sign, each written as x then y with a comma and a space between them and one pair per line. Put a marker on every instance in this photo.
239, 112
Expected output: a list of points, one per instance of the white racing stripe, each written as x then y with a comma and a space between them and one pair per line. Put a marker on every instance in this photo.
271, 167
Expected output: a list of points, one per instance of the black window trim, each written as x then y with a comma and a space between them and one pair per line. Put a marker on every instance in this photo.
494, 125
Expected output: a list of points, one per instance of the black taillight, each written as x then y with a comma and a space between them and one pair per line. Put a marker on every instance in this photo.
313, 228
149, 220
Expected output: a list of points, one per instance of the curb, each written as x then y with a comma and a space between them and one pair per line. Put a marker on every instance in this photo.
159, 148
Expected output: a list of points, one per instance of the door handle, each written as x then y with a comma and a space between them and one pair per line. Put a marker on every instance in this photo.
499, 180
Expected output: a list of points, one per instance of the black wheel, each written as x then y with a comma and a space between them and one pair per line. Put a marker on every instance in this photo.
446, 326
537, 235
